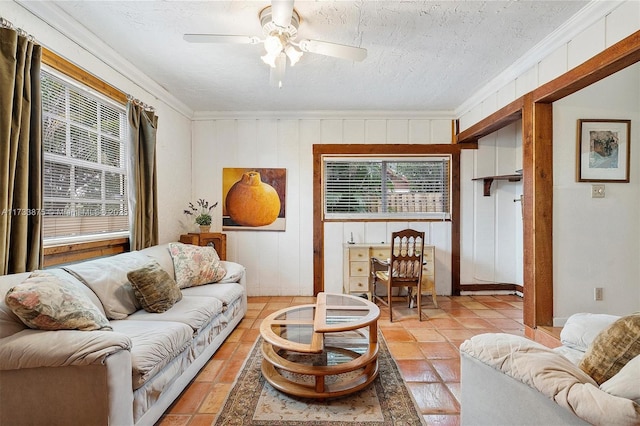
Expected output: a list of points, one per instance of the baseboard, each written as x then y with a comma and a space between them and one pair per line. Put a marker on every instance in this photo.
502, 287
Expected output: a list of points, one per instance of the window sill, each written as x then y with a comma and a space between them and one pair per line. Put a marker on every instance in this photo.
77, 251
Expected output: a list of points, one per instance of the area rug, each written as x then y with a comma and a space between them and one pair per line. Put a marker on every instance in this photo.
386, 401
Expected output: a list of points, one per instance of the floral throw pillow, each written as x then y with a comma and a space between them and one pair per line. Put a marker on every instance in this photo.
195, 265
46, 302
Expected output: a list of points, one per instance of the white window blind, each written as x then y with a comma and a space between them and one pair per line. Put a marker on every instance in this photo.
85, 178
387, 188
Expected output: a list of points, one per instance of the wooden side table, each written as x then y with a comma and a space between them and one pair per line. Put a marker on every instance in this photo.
218, 240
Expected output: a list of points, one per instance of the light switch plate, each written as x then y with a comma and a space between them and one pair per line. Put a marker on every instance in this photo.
597, 190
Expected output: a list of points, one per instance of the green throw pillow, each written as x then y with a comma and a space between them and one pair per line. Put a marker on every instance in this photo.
154, 288
614, 347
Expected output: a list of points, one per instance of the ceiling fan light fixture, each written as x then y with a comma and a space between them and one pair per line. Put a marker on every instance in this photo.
269, 59
293, 54
273, 45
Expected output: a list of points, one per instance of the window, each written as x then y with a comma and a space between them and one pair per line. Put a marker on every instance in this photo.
85, 178
387, 188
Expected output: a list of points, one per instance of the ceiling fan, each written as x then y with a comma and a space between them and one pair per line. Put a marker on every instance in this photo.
280, 23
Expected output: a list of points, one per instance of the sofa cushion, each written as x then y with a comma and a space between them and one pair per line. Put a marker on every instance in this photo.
195, 265
582, 328
196, 312
625, 384
613, 348
160, 254
107, 277
226, 292
46, 302
154, 345
155, 290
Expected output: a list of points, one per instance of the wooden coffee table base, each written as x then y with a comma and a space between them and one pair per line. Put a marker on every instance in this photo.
317, 386
325, 350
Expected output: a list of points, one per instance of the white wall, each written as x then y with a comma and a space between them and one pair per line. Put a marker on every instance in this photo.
281, 263
491, 227
596, 241
174, 128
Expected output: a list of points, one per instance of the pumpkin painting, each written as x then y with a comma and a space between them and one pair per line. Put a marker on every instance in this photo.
251, 202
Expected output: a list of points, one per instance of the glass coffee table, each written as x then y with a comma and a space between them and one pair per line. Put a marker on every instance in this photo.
322, 350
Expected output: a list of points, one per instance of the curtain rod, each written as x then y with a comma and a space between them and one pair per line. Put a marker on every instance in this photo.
138, 102
4, 23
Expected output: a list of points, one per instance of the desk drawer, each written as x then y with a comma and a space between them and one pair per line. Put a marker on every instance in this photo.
359, 284
359, 254
358, 269
381, 253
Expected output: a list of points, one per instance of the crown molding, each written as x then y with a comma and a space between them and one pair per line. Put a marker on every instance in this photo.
323, 115
71, 29
583, 19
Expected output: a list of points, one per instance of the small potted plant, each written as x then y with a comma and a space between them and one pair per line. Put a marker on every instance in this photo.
202, 213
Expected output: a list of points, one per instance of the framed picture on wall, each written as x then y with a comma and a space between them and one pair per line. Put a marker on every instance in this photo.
254, 199
603, 150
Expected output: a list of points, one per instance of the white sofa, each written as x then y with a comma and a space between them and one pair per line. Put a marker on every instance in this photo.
511, 380
126, 376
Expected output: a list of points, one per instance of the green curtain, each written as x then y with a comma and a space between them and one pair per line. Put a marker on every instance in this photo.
143, 198
20, 154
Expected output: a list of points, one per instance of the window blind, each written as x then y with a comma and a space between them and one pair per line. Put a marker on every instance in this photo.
392, 188
84, 143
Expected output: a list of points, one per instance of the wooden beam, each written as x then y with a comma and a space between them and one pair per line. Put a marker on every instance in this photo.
318, 225
537, 146
71, 70
455, 224
496, 121
615, 58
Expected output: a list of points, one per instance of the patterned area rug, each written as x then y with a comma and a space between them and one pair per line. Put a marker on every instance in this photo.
386, 401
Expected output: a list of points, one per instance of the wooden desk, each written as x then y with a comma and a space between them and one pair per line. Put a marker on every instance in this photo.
218, 240
357, 267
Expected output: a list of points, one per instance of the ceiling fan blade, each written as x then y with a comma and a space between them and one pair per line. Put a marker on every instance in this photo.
333, 49
221, 38
281, 12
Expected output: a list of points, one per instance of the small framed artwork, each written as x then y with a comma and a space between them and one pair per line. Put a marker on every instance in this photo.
604, 150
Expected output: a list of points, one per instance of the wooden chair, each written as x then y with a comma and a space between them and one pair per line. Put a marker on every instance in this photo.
403, 268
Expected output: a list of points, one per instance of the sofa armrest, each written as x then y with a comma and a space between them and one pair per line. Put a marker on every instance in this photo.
38, 348
490, 397
236, 273
96, 394
547, 373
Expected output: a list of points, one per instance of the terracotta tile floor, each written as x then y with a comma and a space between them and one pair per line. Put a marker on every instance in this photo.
426, 353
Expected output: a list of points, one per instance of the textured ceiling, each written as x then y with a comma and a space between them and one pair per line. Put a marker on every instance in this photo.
422, 55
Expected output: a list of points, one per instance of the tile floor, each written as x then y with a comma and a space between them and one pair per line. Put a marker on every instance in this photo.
426, 352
